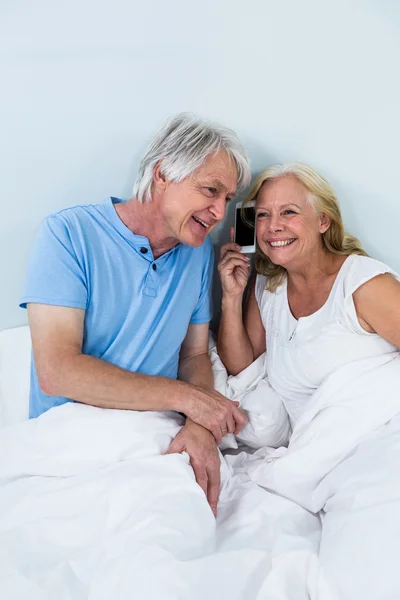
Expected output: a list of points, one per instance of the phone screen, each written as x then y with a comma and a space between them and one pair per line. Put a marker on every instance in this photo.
244, 234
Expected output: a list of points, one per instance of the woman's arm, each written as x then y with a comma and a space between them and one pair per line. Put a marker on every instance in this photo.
234, 346
236, 339
377, 304
253, 323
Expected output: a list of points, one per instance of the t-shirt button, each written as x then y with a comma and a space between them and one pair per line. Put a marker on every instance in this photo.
143, 250
154, 267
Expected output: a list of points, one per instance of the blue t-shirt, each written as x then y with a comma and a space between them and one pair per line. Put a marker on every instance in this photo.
137, 309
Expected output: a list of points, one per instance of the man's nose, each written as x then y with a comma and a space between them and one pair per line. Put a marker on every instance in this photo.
218, 208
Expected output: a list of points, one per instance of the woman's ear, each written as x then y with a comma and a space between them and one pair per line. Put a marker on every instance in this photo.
324, 222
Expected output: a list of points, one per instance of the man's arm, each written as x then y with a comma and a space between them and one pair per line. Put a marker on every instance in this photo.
194, 361
57, 334
63, 370
195, 368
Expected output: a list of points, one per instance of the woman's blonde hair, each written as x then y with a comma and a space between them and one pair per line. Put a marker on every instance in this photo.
323, 199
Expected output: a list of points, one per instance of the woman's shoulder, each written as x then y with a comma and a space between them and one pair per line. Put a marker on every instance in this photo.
361, 269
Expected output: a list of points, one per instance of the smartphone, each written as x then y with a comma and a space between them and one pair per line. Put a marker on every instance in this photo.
245, 235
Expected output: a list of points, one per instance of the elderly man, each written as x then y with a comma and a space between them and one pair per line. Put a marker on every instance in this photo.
119, 294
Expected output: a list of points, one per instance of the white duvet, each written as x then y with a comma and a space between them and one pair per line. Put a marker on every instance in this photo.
90, 508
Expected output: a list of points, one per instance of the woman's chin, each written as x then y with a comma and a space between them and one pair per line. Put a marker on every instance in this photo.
280, 256
278, 262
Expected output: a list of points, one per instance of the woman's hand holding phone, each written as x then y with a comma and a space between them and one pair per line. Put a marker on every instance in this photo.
233, 268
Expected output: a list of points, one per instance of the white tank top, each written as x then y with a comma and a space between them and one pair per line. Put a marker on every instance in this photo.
302, 353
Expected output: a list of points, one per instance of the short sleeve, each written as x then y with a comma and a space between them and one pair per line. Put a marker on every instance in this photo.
362, 269
203, 311
54, 274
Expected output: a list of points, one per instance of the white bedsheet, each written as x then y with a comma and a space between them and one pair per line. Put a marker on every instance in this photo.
15, 356
90, 508
343, 462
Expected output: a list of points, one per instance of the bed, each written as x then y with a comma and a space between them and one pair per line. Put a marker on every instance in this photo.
92, 509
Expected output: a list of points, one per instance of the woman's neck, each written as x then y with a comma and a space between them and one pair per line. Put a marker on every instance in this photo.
321, 268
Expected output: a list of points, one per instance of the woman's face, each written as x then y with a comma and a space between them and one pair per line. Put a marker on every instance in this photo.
288, 228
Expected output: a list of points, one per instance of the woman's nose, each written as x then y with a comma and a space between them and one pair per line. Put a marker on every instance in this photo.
275, 223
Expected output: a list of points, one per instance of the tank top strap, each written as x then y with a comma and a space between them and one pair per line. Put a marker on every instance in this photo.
259, 288
359, 270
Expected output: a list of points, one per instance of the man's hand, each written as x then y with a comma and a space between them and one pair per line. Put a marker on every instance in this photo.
212, 410
200, 444
198, 400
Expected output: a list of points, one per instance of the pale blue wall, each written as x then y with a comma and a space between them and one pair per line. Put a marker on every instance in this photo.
84, 83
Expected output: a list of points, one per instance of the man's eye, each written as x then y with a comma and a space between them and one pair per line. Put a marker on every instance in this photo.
212, 190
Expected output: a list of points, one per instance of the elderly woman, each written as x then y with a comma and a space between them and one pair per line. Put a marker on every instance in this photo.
327, 317
315, 285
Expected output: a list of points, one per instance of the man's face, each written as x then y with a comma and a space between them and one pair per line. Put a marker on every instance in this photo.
192, 208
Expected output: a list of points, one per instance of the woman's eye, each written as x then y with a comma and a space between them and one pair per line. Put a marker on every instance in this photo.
289, 212
260, 215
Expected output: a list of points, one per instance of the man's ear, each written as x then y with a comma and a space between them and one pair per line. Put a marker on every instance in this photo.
324, 222
159, 179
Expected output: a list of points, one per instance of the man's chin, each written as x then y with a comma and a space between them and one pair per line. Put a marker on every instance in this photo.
194, 241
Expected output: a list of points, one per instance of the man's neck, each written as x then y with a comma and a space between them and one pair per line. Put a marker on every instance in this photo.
144, 219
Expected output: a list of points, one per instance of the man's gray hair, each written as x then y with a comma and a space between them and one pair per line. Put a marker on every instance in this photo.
181, 147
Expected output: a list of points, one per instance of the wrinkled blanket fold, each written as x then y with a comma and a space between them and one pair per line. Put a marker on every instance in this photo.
92, 508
